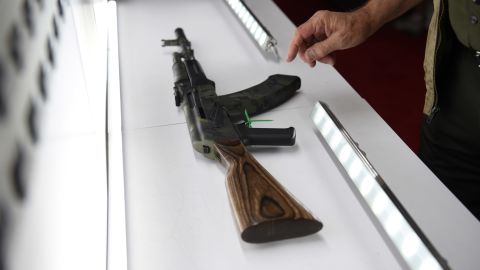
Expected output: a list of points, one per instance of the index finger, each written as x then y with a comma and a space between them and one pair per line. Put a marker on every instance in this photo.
302, 33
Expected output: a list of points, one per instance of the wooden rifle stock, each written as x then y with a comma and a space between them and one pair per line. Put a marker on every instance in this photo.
264, 210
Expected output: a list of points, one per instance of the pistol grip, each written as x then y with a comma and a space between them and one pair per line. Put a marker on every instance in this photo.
264, 210
266, 136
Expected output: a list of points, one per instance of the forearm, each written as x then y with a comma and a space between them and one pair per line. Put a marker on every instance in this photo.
383, 11
326, 32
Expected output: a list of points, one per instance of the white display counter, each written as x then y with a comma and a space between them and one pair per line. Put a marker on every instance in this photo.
177, 209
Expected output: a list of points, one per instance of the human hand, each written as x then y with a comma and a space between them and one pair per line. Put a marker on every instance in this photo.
326, 32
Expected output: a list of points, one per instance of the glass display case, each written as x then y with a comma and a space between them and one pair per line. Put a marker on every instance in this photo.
97, 169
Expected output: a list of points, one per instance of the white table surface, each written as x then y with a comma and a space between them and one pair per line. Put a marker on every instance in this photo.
178, 216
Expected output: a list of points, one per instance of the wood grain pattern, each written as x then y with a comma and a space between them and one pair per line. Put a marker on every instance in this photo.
264, 210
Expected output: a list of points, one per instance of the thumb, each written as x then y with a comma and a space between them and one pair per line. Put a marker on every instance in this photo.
329, 59
321, 49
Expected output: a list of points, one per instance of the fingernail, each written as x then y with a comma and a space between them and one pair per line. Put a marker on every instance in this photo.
311, 54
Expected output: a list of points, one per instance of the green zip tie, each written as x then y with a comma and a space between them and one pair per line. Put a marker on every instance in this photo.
249, 121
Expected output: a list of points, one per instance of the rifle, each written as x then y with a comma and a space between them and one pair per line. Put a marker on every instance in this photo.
263, 209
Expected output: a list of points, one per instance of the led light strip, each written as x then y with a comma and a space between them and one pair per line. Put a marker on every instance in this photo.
116, 242
254, 27
409, 240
